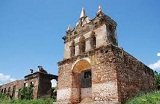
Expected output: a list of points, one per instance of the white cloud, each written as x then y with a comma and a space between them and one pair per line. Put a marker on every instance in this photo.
54, 83
5, 79
158, 54
155, 66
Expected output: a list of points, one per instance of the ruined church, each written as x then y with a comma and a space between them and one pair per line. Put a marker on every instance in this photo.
95, 69
39, 80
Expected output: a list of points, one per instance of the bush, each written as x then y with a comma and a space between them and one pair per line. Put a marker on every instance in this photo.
149, 98
27, 92
24, 101
3, 96
157, 78
5, 100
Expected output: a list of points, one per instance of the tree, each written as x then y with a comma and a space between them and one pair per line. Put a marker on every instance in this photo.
157, 78
27, 92
54, 92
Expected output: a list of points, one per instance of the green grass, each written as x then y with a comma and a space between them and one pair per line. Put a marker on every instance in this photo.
149, 98
5, 100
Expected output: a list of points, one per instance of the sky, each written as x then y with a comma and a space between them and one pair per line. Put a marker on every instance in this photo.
31, 31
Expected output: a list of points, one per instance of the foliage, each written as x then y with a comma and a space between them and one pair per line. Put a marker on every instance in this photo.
149, 98
5, 100
54, 88
38, 101
26, 98
157, 77
54, 92
27, 92
3, 96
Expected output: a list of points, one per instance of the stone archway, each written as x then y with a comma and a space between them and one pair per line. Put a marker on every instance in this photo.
82, 80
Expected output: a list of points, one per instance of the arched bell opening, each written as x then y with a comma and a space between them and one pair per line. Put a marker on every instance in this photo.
82, 44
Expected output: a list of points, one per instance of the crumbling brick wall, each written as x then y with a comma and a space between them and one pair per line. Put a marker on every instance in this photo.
116, 76
104, 77
12, 89
44, 88
41, 82
65, 81
33, 79
133, 77
104, 74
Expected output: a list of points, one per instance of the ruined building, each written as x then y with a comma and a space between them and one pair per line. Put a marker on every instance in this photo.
95, 69
40, 80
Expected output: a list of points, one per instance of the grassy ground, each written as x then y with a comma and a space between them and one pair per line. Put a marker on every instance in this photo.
5, 100
150, 98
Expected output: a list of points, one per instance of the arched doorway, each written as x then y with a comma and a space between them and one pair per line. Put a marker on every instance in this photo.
82, 77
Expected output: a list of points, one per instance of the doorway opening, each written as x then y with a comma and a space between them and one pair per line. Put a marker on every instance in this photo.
83, 80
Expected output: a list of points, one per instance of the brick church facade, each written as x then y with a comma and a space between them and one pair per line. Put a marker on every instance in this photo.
95, 69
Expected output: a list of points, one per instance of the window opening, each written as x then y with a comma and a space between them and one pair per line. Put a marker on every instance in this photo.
2, 91
82, 44
25, 84
87, 74
93, 41
9, 89
5, 90
72, 48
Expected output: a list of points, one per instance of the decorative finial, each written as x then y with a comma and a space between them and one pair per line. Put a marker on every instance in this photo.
99, 9
83, 13
31, 71
69, 28
40, 67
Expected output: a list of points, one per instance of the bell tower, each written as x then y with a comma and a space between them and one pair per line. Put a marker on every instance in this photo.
89, 34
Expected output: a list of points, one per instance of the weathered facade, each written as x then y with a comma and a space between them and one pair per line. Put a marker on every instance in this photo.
95, 69
40, 80
12, 89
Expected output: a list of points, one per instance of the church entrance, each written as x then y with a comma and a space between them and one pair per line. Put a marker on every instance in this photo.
86, 84
83, 80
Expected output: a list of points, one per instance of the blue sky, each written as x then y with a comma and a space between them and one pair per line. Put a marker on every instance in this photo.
31, 31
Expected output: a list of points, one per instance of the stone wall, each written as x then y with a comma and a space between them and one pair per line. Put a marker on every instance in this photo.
44, 87
41, 82
104, 78
64, 82
12, 88
116, 76
34, 80
133, 77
